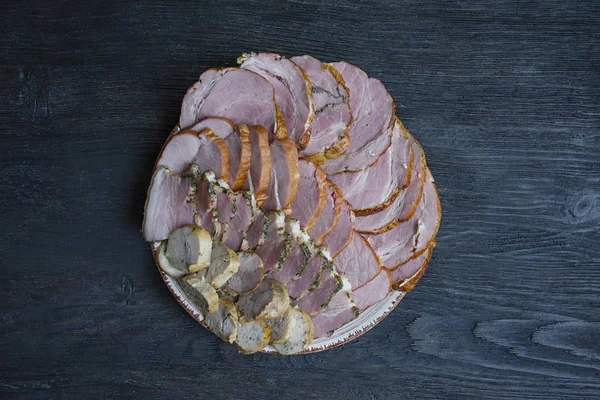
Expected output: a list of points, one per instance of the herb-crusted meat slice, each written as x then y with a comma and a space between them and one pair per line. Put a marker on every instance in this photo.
277, 243
307, 206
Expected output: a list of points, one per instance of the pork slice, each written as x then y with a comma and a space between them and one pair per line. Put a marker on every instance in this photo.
277, 244
240, 150
330, 283
409, 284
168, 205
257, 231
373, 291
329, 134
204, 149
410, 238
341, 235
358, 261
260, 163
404, 205
248, 276
370, 132
300, 253
330, 214
308, 279
301, 335
268, 301
222, 203
222, 127
311, 194
239, 95
283, 182
340, 311
390, 174
404, 272
292, 91
245, 209
204, 204
224, 321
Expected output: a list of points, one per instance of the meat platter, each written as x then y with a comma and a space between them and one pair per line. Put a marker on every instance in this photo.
290, 210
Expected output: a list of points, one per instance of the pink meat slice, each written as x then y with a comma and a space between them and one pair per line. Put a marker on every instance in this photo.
340, 311
318, 299
277, 243
292, 90
411, 267
302, 284
257, 231
331, 102
389, 175
405, 204
233, 93
222, 127
330, 214
167, 207
412, 237
204, 206
294, 264
342, 233
373, 291
241, 220
373, 111
311, 193
260, 163
358, 262
283, 182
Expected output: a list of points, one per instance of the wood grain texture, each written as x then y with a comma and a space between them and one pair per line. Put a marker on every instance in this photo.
504, 97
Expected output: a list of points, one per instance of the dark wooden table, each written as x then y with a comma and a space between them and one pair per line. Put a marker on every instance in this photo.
503, 95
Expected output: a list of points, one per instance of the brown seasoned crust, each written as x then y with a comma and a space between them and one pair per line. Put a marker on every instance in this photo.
409, 284
265, 154
337, 211
280, 128
322, 185
305, 138
245, 154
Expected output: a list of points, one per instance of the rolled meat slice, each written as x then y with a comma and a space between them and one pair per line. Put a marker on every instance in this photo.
358, 261
404, 205
248, 276
309, 278
215, 215
329, 134
341, 310
410, 238
277, 243
342, 233
237, 229
370, 133
302, 249
168, 205
373, 291
390, 174
260, 163
292, 91
257, 231
330, 214
330, 283
401, 274
205, 149
307, 206
283, 182
237, 94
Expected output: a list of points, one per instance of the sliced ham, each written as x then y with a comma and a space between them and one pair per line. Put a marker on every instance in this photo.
330, 283
390, 174
312, 192
222, 127
309, 278
373, 291
358, 262
300, 253
239, 224
205, 149
329, 134
215, 204
330, 214
167, 206
277, 244
404, 272
410, 238
292, 91
409, 284
240, 150
404, 205
237, 94
283, 182
260, 163
370, 132
248, 276
341, 310
257, 231
342, 233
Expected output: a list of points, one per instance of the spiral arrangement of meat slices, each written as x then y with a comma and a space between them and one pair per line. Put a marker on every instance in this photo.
290, 199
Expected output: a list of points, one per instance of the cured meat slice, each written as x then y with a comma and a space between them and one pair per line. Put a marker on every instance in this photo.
277, 244
330, 283
411, 238
222, 127
373, 291
330, 214
237, 94
260, 163
300, 253
358, 262
409, 284
284, 175
311, 185
205, 149
404, 205
237, 229
329, 134
213, 212
240, 150
390, 174
248, 276
341, 310
308, 279
342, 233
168, 205
257, 232
292, 91
373, 110
404, 272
